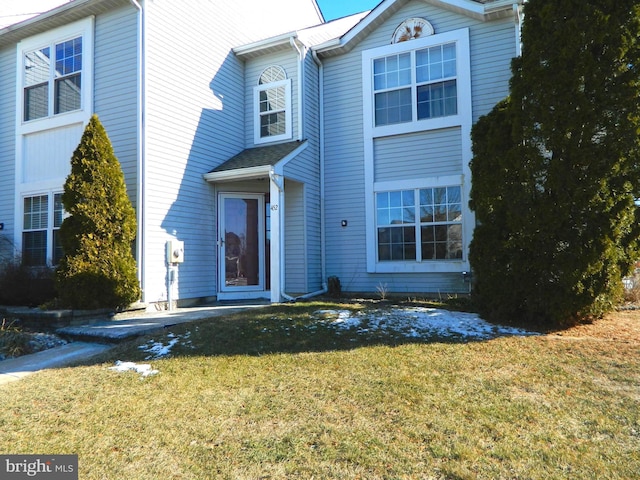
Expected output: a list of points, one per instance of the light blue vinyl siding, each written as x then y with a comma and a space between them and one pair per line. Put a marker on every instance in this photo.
302, 223
115, 91
195, 118
402, 157
424, 154
295, 239
7, 147
493, 45
194, 121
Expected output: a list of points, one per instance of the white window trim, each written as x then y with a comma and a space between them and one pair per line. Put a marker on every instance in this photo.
463, 79
463, 119
257, 139
83, 28
50, 194
409, 266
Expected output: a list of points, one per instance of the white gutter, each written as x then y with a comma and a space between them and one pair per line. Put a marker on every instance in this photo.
277, 42
249, 173
140, 194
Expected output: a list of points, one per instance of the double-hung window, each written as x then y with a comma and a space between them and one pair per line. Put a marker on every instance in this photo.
55, 72
273, 106
43, 215
53, 79
415, 85
421, 224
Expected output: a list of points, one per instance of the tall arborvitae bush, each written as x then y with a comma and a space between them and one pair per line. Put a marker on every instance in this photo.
98, 269
556, 167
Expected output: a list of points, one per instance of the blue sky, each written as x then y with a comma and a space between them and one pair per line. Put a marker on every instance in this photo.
332, 9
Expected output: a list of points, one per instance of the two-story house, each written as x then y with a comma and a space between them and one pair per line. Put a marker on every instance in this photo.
279, 148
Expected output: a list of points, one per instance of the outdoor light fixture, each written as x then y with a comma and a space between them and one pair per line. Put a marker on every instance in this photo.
343, 223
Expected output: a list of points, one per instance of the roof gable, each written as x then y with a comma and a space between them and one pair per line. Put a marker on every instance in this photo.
479, 9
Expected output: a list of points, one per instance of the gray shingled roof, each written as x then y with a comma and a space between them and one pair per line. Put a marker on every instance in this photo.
259, 156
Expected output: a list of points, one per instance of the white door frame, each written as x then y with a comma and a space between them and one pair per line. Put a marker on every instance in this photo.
238, 292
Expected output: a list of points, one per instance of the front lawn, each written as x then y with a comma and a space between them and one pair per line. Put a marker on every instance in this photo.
320, 390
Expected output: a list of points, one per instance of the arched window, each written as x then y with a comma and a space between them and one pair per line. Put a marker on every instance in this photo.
273, 105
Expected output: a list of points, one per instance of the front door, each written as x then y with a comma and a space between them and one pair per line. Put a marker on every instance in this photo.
242, 246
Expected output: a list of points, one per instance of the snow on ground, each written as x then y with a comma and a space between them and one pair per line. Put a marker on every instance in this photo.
158, 349
419, 322
143, 369
406, 322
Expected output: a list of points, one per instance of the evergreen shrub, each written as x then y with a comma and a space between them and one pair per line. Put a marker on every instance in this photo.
556, 168
98, 269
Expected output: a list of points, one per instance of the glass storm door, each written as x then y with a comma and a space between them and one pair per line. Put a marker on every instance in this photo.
242, 243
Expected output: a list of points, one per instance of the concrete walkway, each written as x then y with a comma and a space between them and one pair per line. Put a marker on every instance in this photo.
95, 338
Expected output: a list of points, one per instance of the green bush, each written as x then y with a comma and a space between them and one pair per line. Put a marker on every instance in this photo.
556, 168
98, 269
24, 285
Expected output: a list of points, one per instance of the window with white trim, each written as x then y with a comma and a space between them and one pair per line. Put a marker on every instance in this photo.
42, 218
53, 79
422, 224
415, 85
273, 106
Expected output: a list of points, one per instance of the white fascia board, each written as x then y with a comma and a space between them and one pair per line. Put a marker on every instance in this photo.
280, 41
238, 174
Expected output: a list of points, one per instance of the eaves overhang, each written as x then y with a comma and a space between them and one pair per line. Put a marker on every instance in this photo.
57, 17
254, 163
482, 10
266, 46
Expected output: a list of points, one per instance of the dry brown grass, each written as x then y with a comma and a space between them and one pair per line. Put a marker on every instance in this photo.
620, 326
554, 407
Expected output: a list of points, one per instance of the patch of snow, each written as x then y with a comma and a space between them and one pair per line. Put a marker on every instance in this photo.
159, 349
419, 322
143, 369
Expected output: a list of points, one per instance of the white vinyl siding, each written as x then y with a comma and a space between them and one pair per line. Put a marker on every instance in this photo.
46, 155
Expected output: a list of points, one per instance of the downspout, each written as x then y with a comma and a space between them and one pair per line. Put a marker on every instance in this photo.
292, 42
140, 194
323, 263
324, 288
517, 10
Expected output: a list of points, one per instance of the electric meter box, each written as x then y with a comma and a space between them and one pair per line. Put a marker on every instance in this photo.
175, 251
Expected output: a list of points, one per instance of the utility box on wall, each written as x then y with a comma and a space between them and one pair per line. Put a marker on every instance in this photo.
175, 251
